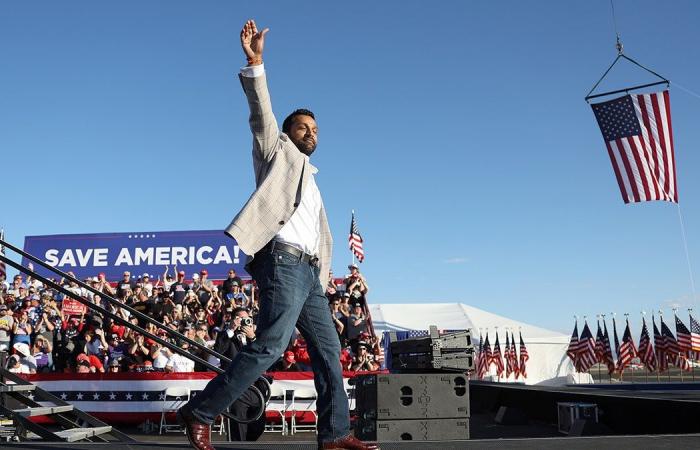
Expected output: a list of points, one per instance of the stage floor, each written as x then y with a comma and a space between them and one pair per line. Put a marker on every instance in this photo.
618, 442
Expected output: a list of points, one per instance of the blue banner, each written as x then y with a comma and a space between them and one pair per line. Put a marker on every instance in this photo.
86, 255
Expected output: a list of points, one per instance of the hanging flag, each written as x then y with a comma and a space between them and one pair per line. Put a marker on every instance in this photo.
524, 357
586, 349
514, 356
608, 359
694, 334
572, 350
673, 349
3, 269
627, 349
660, 348
356, 240
509, 368
646, 351
497, 357
637, 132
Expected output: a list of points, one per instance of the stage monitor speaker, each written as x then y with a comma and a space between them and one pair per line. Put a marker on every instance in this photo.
507, 415
411, 396
412, 430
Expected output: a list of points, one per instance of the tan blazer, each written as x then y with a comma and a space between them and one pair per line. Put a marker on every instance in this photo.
281, 175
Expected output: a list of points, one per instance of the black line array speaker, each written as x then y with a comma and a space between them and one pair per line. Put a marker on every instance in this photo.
412, 430
428, 406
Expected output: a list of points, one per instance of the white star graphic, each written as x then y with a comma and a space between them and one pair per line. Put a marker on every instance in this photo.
95, 396
142, 235
63, 396
161, 396
153, 235
80, 396
144, 396
31, 396
148, 235
112, 396
128, 396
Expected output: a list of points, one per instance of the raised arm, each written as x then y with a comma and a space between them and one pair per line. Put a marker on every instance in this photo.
262, 120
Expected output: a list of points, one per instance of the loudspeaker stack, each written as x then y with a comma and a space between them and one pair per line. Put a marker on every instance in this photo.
418, 407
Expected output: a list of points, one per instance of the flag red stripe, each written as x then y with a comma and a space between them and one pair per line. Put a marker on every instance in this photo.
628, 169
667, 101
660, 131
641, 166
652, 142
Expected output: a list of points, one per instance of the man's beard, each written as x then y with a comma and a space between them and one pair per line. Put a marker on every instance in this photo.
306, 146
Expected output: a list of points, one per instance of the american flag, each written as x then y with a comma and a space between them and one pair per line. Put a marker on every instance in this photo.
586, 349
637, 132
524, 357
660, 346
509, 369
356, 240
627, 349
683, 337
694, 334
488, 356
3, 269
608, 359
480, 358
673, 349
514, 356
572, 350
599, 345
497, 357
646, 351
617, 341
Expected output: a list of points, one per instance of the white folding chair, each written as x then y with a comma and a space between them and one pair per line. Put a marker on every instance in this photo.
174, 398
278, 404
304, 402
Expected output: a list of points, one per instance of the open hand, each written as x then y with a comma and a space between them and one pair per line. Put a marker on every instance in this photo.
253, 42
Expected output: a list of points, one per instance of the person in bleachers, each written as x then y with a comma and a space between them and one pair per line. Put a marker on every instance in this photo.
364, 360
287, 363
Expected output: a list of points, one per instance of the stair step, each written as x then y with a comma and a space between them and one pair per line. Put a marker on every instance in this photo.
76, 434
43, 410
16, 387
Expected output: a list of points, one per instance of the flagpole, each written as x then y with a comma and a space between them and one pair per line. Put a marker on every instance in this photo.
600, 376
352, 211
646, 372
691, 344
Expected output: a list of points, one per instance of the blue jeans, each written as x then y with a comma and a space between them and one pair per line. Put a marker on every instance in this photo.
290, 294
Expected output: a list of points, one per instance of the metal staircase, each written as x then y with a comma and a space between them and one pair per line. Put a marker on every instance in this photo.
21, 400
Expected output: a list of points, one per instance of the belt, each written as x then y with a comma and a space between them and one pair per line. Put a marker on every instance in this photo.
303, 256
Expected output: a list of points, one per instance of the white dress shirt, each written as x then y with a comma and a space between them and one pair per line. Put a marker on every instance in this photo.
303, 229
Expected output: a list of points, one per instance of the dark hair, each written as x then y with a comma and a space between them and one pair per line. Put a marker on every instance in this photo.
287, 124
238, 309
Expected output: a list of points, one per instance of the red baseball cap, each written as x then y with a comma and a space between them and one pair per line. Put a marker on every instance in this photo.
289, 356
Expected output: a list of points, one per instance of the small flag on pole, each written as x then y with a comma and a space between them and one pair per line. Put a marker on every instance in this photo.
607, 354
646, 351
586, 349
694, 334
356, 240
572, 351
514, 356
497, 357
524, 357
627, 349
637, 132
660, 348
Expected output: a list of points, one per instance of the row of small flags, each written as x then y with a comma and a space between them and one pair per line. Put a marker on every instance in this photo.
585, 351
509, 361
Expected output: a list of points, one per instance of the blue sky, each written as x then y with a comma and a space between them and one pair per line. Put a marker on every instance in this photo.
456, 130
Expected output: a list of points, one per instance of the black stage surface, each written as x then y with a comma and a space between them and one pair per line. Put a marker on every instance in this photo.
618, 442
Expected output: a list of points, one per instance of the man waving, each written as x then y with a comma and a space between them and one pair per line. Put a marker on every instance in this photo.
283, 225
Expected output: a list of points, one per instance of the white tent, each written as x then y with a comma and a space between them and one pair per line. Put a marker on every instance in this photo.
548, 362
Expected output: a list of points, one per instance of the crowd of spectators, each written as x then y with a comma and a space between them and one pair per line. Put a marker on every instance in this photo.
43, 332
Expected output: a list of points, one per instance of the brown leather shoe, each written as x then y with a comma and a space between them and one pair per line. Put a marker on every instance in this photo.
197, 433
348, 442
